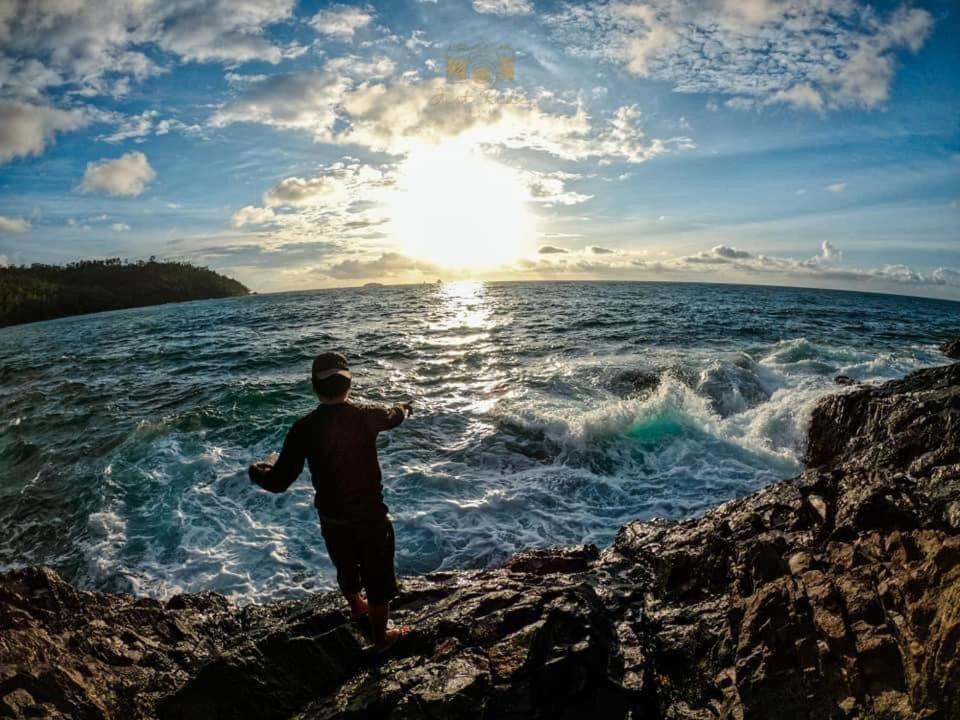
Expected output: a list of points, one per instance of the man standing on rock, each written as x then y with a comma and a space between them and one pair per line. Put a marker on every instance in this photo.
339, 442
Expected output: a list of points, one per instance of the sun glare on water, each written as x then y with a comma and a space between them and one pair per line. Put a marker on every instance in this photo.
459, 210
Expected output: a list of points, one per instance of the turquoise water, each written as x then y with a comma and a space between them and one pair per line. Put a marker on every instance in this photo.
546, 413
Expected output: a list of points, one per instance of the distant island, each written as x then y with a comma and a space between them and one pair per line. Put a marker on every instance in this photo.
44, 292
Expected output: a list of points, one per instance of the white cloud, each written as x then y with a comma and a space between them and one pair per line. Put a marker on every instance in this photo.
503, 7
329, 199
551, 250
127, 175
398, 116
295, 190
550, 189
120, 227
731, 264
752, 13
4, 261
800, 97
416, 40
218, 30
26, 128
946, 276
818, 268
133, 127
811, 55
344, 201
138, 127
13, 224
305, 101
251, 215
837, 187
395, 117
864, 79
387, 265
341, 20
76, 43
830, 252
725, 251
336, 181
657, 38
96, 47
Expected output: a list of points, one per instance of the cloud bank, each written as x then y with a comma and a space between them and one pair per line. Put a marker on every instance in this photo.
400, 115
726, 263
96, 48
807, 54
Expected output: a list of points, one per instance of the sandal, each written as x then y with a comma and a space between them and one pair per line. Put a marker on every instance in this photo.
400, 632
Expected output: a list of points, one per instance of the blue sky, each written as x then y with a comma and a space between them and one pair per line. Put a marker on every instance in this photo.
791, 142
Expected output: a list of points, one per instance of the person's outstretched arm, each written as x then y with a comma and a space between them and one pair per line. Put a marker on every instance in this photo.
278, 476
387, 418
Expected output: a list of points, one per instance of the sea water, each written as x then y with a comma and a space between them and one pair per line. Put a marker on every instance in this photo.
545, 413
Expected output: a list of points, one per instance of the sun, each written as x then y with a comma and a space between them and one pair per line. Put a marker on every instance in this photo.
458, 209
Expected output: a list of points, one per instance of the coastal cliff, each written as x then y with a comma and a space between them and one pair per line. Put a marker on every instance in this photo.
835, 594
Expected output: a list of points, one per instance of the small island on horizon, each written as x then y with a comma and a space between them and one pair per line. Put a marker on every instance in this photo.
44, 292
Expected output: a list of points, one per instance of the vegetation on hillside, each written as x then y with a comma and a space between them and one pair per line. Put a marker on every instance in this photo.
42, 292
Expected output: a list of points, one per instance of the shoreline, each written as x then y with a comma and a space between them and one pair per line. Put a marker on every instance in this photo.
831, 594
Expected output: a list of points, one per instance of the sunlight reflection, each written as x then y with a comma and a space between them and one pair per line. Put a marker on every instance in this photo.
461, 348
464, 309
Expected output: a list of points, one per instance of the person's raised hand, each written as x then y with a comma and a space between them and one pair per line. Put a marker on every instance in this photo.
259, 469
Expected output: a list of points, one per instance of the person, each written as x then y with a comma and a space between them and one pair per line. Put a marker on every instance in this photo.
339, 442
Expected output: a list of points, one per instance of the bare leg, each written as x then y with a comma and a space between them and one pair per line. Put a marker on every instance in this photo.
358, 606
384, 637
379, 614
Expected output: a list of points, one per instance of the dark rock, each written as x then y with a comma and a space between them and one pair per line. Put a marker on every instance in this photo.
845, 380
834, 594
951, 348
553, 560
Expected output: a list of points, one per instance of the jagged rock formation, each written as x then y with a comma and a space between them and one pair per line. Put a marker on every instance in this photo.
832, 595
951, 348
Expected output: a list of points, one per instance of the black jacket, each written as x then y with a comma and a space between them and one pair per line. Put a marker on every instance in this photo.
339, 442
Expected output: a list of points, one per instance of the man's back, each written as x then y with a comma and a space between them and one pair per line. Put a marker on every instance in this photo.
339, 442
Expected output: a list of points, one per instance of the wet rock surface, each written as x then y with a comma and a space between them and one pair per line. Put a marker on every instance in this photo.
832, 595
951, 348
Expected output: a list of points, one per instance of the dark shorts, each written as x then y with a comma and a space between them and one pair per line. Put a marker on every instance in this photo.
363, 556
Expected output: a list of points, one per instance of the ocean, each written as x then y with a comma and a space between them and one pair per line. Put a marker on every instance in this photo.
546, 413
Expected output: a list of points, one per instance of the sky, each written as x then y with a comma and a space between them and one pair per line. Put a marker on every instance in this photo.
298, 145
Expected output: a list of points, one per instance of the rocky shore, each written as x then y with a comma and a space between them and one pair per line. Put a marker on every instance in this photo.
835, 594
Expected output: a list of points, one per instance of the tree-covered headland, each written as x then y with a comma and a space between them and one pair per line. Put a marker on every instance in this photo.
43, 292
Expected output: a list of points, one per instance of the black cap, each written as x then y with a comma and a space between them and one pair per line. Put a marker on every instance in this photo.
330, 363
